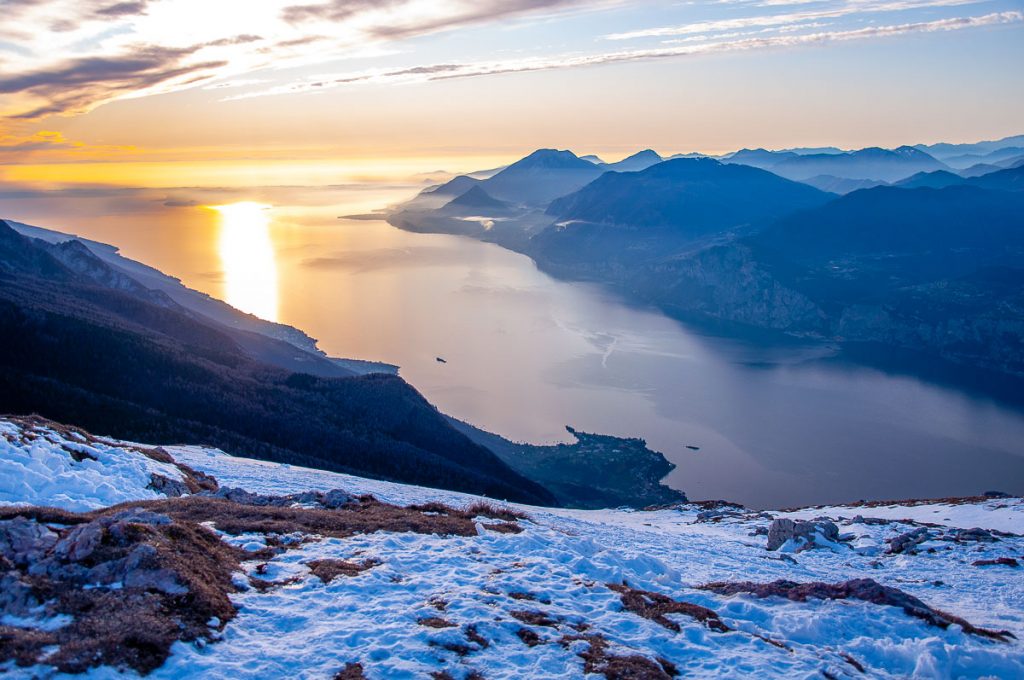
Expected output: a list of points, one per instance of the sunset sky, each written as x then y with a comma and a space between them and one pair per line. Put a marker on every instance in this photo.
191, 92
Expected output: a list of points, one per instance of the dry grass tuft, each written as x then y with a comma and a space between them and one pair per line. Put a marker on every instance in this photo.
864, 589
597, 659
655, 606
327, 570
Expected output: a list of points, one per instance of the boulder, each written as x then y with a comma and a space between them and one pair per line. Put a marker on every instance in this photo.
335, 498
23, 541
169, 487
783, 530
908, 541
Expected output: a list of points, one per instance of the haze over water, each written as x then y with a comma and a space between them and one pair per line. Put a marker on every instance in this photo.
527, 355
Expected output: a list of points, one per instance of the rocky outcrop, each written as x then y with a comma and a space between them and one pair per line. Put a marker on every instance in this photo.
807, 535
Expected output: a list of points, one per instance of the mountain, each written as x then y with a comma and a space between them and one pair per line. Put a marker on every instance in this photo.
996, 156
631, 215
476, 199
808, 150
274, 343
85, 344
453, 187
1011, 179
961, 227
593, 158
979, 169
540, 177
869, 164
759, 158
638, 161
841, 185
936, 179
944, 151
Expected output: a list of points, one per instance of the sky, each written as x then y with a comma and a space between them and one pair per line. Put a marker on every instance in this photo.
173, 92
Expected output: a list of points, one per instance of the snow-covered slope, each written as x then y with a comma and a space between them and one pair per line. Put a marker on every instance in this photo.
67, 468
538, 604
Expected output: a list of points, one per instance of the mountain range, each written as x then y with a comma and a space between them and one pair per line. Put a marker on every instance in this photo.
904, 252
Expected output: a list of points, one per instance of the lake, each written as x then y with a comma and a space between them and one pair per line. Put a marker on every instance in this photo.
525, 355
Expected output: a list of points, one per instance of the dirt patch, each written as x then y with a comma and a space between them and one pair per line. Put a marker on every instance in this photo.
435, 622
865, 589
598, 659
482, 509
655, 607
327, 570
351, 671
365, 516
474, 636
999, 561
529, 637
533, 617
504, 528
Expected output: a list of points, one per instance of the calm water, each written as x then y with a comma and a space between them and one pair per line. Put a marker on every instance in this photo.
527, 355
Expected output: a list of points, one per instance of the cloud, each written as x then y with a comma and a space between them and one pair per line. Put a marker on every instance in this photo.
557, 62
48, 143
69, 56
76, 85
854, 7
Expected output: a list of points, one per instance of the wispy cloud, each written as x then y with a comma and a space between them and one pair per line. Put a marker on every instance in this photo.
842, 9
68, 56
565, 61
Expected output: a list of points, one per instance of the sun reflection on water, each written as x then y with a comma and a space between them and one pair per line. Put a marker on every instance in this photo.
248, 259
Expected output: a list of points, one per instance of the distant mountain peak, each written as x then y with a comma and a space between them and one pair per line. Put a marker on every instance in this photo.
476, 197
550, 158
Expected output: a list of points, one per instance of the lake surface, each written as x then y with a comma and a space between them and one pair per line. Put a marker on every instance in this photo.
527, 355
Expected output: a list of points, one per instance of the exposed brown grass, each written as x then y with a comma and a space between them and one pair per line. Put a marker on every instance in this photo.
351, 671
533, 617
655, 606
598, 659
529, 637
185, 578
327, 570
435, 622
866, 590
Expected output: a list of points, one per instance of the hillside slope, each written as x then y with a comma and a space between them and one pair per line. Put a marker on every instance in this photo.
93, 347
306, 575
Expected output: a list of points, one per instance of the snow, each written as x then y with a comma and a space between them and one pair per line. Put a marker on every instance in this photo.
42, 471
563, 559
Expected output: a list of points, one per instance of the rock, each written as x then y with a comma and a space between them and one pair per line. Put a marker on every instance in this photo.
783, 530
169, 487
80, 542
870, 521
164, 580
23, 541
238, 495
335, 498
976, 534
999, 561
16, 596
713, 515
136, 516
906, 542
305, 498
